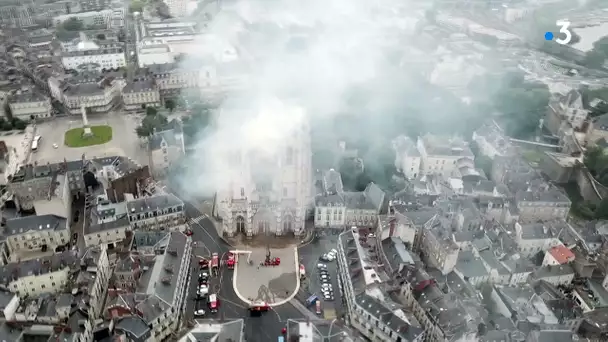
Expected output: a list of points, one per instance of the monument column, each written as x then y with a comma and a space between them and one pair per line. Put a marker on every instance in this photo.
85, 121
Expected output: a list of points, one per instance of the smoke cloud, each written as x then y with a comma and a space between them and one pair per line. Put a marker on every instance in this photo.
337, 66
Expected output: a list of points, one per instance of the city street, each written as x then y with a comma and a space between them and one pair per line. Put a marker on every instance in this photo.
264, 328
309, 256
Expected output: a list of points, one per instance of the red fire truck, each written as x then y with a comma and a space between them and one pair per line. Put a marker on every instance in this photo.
215, 263
231, 261
259, 306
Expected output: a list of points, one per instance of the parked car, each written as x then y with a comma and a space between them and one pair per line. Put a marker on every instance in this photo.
199, 312
321, 266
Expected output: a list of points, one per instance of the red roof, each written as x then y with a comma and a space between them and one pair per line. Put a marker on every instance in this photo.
562, 254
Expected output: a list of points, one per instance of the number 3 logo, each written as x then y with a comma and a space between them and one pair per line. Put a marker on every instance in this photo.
564, 28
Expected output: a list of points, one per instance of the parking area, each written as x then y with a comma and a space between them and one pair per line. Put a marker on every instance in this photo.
271, 284
19, 143
310, 254
124, 140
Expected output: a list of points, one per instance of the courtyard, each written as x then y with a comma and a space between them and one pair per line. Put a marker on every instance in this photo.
124, 141
272, 284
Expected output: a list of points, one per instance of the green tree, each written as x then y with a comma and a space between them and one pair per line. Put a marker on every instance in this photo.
101, 36
72, 24
519, 104
170, 104
150, 124
136, 6
594, 59
151, 111
19, 124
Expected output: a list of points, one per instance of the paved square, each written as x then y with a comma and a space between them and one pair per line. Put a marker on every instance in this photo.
271, 284
124, 140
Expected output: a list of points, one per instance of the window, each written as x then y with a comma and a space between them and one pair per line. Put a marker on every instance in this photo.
242, 192
289, 156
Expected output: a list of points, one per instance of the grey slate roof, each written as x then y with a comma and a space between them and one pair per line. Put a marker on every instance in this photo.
167, 135
39, 266
143, 85
25, 224
377, 309
470, 266
396, 253
157, 202
161, 281
133, 324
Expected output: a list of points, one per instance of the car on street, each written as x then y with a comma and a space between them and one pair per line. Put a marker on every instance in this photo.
55, 146
203, 277
203, 290
326, 287
323, 272
199, 313
188, 232
324, 277
333, 251
321, 266
328, 297
327, 257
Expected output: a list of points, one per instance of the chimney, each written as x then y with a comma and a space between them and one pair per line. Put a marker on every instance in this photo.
392, 227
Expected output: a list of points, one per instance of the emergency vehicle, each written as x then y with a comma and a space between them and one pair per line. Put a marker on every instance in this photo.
213, 303
231, 261
215, 263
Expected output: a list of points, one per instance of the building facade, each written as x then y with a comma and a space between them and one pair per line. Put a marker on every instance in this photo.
166, 148
273, 202
140, 94
30, 105
89, 55
160, 212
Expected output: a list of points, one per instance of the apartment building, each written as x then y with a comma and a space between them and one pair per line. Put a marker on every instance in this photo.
107, 224
546, 203
166, 148
159, 212
440, 249
369, 309
29, 234
97, 96
42, 275
492, 141
91, 18
42, 188
97, 274
30, 105
568, 109
152, 309
443, 156
139, 94
99, 56
171, 79
177, 8
407, 157
336, 208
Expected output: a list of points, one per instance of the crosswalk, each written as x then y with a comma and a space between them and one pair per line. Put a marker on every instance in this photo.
199, 218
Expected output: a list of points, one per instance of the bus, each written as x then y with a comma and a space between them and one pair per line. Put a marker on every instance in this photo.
213, 303
35, 145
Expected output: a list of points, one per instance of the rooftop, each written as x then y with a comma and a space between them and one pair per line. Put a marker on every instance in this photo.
29, 224
157, 202
53, 263
561, 254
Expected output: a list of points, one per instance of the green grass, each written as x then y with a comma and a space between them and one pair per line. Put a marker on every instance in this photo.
75, 138
532, 156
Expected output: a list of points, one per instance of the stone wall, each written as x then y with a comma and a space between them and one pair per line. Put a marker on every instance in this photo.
590, 189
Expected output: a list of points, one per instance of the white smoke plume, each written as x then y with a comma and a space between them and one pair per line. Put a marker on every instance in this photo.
303, 57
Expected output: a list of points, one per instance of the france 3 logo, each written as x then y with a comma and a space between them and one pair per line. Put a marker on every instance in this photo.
565, 35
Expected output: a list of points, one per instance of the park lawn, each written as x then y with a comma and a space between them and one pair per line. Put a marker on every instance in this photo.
101, 135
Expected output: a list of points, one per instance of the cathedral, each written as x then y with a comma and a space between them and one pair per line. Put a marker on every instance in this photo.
273, 191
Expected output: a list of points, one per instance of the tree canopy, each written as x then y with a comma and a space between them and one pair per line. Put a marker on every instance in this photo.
149, 124
72, 24
136, 6
519, 104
